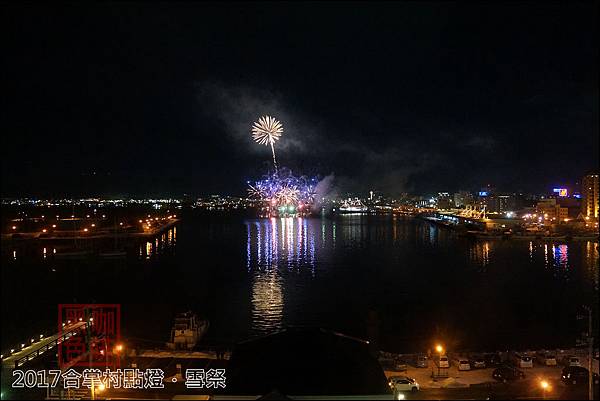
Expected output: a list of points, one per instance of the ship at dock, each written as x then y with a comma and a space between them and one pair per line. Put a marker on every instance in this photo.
352, 206
187, 331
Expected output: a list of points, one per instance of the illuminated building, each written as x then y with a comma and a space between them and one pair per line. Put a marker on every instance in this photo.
589, 195
463, 198
444, 201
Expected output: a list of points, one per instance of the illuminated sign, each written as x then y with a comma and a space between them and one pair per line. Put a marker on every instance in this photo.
562, 192
483, 193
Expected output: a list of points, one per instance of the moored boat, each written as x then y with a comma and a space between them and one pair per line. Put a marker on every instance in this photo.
187, 331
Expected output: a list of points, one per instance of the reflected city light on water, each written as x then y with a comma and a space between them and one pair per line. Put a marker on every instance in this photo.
591, 261
158, 245
274, 247
561, 256
267, 302
480, 254
275, 243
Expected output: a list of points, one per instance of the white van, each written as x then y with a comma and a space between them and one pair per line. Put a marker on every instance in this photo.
462, 364
442, 361
522, 361
546, 358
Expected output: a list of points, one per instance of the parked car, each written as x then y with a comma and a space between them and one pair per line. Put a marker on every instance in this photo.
522, 360
442, 361
572, 361
394, 364
577, 375
507, 373
478, 362
393, 379
406, 384
421, 361
462, 364
546, 359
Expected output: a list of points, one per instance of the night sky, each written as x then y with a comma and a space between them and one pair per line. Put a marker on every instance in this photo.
158, 99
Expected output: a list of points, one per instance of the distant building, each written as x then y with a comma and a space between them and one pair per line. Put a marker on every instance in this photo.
555, 211
463, 198
497, 203
589, 196
444, 201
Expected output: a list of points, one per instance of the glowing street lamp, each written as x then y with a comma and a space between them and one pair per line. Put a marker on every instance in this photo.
439, 349
545, 387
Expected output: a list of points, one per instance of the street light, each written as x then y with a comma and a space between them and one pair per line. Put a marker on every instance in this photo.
545, 387
439, 349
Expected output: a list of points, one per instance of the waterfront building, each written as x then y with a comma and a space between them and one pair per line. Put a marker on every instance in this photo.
463, 198
444, 201
589, 196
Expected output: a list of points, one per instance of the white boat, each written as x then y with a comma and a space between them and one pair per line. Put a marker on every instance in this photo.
352, 206
187, 331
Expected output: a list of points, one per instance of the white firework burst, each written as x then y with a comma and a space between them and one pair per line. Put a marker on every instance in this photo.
267, 130
256, 192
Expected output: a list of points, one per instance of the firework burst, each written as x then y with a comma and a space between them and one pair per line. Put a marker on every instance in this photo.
285, 193
288, 195
266, 131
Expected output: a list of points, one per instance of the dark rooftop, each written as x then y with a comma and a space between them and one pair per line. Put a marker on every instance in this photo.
305, 361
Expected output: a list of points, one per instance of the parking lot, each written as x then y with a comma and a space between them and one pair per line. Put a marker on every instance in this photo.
466, 378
